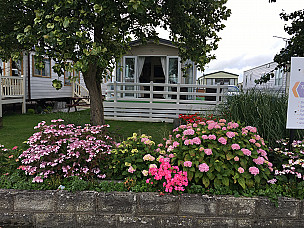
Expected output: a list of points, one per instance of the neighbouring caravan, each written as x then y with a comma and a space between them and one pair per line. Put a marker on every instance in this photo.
279, 83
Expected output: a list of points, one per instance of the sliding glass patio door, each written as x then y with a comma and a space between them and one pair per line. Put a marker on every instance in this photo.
173, 74
130, 74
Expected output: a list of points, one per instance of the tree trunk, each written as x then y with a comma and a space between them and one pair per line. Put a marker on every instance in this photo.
96, 98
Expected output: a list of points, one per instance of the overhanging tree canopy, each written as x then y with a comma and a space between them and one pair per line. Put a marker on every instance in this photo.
93, 34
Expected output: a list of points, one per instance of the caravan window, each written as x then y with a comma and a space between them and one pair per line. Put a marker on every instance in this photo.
278, 80
11, 68
68, 76
45, 71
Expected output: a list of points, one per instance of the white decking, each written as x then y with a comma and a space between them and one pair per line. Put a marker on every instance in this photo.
12, 90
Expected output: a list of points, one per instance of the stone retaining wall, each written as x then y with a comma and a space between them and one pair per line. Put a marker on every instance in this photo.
126, 209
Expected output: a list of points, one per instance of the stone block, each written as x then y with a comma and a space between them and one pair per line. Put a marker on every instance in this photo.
215, 222
55, 220
35, 201
23, 220
137, 221
116, 202
197, 205
76, 202
287, 208
177, 221
153, 203
6, 201
90, 221
286, 223
252, 223
235, 207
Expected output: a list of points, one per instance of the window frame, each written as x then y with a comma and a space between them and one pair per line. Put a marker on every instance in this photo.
11, 68
64, 78
34, 68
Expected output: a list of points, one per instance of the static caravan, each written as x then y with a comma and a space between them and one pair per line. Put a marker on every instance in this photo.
279, 82
21, 81
153, 62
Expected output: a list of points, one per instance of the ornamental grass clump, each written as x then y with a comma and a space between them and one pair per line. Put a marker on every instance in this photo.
132, 157
61, 151
219, 154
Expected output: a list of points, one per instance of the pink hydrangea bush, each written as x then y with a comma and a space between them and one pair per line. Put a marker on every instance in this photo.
219, 153
168, 178
291, 161
66, 150
132, 157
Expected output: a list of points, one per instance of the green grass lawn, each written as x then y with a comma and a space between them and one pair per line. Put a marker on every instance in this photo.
17, 128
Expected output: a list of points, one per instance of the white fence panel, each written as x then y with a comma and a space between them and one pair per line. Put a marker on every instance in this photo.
155, 102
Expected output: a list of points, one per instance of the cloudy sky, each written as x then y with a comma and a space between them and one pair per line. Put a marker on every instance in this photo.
247, 41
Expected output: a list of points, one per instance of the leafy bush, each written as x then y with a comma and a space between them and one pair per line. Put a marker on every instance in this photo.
290, 162
132, 157
219, 154
264, 110
9, 161
65, 150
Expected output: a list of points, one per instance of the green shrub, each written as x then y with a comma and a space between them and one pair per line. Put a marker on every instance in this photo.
132, 157
219, 154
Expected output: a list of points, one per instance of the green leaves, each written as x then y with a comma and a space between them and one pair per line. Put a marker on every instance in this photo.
50, 25
97, 8
66, 22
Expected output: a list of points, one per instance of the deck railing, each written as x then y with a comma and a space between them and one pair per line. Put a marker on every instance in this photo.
12, 90
160, 101
80, 91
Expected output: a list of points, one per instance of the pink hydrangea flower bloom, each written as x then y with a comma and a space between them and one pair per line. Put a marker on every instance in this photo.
197, 141
241, 170
262, 152
259, 160
224, 128
257, 144
222, 140
212, 137
254, 170
187, 163
177, 136
131, 169
272, 181
171, 155
235, 146
189, 132
236, 158
252, 140
203, 167
222, 121
15, 148
208, 151
230, 134
246, 152
204, 136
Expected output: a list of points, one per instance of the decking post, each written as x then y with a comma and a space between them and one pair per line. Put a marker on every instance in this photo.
115, 98
151, 100
218, 93
23, 98
151, 91
115, 91
178, 93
